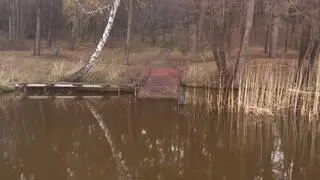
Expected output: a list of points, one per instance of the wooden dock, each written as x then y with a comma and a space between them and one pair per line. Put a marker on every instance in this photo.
78, 87
161, 79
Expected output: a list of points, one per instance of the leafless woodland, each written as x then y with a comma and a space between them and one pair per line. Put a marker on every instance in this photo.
226, 28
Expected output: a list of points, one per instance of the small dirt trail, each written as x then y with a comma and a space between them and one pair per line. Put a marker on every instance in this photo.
160, 78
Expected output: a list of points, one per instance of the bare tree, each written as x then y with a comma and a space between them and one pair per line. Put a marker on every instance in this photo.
94, 57
129, 25
50, 27
38, 30
240, 63
274, 35
194, 39
10, 22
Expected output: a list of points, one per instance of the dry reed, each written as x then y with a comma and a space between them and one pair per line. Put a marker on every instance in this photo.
266, 89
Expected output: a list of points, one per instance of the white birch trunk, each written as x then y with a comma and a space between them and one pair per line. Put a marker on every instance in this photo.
94, 57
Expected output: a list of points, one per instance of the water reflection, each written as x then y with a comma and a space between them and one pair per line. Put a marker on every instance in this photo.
125, 138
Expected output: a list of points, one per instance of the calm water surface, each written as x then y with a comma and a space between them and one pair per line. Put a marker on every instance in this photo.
125, 138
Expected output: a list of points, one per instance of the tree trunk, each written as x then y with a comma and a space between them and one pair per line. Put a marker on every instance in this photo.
267, 41
154, 32
13, 21
194, 42
18, 28
314, 53
22, 25
229, 35
38, 30
305, 50
218, 48
197, 31
220, 58
201, 23
49, 38
293, 33
304, 44
73, 36
164, 33
127, 45
240, 63
287, 38
274, 36
188, 37
10, 22
94, 57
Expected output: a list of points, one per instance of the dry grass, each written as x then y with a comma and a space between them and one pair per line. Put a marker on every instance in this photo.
62, 69
200, 74
110, 72
10, 75
22, 67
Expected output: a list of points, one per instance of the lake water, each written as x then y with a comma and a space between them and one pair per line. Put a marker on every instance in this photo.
121, 137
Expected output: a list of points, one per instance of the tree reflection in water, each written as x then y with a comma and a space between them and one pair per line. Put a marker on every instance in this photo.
125, 138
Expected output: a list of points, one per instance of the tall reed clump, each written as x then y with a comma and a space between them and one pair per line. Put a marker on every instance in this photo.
266, 89
316, 105
263, 88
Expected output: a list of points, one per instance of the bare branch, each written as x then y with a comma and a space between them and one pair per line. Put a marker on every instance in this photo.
143, 5
99, 10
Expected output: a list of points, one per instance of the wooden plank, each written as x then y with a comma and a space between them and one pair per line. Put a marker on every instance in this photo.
64, 97
92, 97
35, 97
36, 85
91, 86
79, 87
59, 97
64, 85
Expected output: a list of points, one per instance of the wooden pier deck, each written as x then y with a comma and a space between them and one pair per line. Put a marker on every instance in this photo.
160, 79
78, 87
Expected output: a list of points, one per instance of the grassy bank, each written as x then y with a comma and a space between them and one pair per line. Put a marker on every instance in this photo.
22, 67
266, 87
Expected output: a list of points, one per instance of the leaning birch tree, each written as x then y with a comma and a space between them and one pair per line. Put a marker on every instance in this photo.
94, 57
